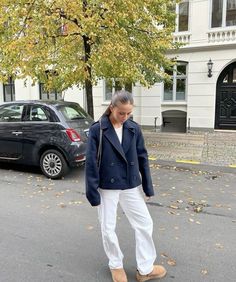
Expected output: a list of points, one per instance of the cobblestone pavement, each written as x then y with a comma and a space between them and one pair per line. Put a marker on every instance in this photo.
211, 148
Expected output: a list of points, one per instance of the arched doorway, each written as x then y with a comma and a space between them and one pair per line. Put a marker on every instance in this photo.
225, 114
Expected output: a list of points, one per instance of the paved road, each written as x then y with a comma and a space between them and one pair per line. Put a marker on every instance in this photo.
49, 233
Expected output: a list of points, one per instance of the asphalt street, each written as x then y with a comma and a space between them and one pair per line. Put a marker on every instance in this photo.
49, 232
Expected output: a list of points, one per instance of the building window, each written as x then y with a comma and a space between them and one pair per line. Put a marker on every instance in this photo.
175, 89
112, 85
182, 16
45, 95
223, 13
9, 90
230, 76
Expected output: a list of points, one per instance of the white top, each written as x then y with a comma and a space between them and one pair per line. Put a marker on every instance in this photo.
119, 132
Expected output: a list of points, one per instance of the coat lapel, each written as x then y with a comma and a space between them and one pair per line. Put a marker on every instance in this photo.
110, 134
128, 135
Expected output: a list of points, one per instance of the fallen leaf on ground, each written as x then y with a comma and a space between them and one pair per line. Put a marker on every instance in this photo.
174, 213
164, 255
204, 272
219, 246
171, 262
62, 205
174, 207
180, 201
198, 209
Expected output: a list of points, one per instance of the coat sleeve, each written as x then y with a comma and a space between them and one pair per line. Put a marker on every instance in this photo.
91, 169
144, 165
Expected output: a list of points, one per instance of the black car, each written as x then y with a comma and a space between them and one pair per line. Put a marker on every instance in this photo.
49, 134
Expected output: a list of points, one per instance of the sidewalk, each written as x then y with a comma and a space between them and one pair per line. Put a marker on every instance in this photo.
210, 148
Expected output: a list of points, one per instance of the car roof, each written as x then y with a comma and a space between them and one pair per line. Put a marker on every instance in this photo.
41, 102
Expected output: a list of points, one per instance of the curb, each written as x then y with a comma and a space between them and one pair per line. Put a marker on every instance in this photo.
191, 164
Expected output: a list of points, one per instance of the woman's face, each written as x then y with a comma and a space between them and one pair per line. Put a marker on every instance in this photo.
121, 112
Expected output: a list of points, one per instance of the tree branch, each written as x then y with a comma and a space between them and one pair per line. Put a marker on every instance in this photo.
26, 19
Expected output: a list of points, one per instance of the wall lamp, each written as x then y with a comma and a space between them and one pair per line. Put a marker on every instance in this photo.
209, 67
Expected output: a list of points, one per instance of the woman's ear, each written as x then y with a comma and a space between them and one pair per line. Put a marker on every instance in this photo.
111, 107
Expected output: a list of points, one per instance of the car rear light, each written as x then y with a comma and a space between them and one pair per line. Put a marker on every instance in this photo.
73, 135
80, 158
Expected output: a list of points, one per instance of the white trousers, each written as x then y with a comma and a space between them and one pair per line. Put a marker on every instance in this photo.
134, 207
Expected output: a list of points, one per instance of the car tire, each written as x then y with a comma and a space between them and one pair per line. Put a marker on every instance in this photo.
53, 164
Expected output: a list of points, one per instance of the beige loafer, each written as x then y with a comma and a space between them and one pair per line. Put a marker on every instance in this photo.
158, 272
118, 275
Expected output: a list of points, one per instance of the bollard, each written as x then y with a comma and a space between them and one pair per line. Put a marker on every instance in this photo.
188, 130
155, 123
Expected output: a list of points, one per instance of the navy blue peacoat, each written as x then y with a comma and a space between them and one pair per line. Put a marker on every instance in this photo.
123, 166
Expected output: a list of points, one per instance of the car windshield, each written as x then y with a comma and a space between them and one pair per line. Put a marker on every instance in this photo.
72, 112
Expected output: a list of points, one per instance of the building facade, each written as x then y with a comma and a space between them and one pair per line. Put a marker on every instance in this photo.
202, 92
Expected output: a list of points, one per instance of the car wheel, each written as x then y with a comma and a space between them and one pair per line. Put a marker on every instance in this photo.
53, 164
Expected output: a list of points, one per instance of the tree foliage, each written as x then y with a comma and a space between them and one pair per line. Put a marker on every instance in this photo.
62, 42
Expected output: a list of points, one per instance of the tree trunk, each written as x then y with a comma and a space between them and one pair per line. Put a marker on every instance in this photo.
88, 69
89, 96
88, 80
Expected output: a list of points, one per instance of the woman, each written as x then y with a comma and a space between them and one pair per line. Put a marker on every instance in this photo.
117, 180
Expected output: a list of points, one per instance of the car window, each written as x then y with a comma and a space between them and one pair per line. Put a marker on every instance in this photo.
72, 112
11, 113
37, 114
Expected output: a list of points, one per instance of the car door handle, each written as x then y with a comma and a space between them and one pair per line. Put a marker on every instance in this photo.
17, 132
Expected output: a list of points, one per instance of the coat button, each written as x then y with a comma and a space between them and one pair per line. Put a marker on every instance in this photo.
112, 180
131, 163
112, 164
